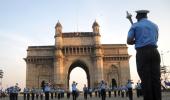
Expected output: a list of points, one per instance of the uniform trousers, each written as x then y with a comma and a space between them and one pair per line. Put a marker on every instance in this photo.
85, 95
46, 95
103, 94
130, 93
74, 93
51, 95
28, 96
109, 92
95, 93
148, 67
11, 96
24, 96
115, 93
32, 96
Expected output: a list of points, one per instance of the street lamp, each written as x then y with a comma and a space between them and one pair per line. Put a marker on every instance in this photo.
163, 67
1, 76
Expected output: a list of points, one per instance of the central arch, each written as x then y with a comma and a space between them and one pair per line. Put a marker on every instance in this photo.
81, 64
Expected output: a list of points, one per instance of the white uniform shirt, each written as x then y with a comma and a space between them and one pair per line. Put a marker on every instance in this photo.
74, 87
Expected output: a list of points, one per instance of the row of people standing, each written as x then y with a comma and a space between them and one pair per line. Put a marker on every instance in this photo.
48, 91
123, 89
87, 91
30, 94
13, 92
102, 88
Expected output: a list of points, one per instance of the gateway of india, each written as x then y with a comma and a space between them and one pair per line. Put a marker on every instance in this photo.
108, 62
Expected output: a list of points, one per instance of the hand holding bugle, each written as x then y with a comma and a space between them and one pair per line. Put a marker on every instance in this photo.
129, 16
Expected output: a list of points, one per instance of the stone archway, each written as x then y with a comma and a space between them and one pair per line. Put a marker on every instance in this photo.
82, 65
113, 75
54, 63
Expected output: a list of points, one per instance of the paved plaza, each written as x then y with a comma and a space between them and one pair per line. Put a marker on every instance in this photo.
165, 96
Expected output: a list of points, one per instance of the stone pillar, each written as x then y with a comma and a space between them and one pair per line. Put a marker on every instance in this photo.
58, 61
59, 70
98, 66
98, 55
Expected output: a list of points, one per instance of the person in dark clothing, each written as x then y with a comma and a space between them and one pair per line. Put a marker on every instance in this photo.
85, 90
68, 94
109, 92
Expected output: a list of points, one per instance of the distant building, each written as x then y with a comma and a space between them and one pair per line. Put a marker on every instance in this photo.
109, 62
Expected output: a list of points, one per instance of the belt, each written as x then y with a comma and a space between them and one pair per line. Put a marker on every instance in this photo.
147, 47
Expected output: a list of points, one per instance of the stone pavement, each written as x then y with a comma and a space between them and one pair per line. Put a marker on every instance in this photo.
165, 96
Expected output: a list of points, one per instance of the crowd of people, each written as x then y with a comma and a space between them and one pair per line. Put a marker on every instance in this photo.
46, 92
50, 92
103, 90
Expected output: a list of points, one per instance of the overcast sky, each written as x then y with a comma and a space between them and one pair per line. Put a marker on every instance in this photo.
26, 23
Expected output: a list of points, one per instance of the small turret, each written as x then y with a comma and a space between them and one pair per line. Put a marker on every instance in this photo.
58, 28
95, 27
58, 35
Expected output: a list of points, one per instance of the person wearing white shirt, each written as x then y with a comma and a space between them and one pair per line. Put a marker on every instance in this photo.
103, 89
47, 90
74, 90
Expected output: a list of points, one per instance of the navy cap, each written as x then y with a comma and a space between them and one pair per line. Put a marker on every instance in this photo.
142, 11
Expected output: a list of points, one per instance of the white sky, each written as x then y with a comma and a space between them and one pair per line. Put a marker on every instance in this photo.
26, 23
81, 80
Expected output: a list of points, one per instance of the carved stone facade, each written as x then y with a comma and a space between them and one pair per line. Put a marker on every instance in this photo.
109, 62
